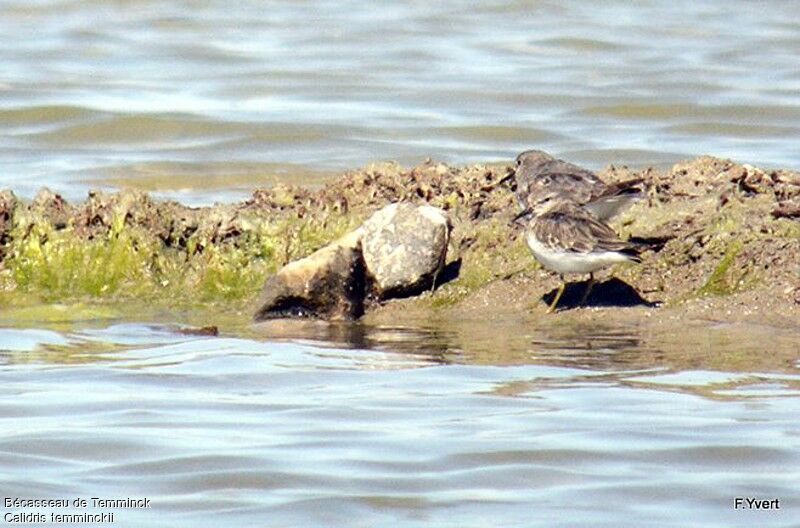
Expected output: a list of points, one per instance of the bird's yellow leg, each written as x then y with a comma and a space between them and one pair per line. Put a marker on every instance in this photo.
557, 298
588, 289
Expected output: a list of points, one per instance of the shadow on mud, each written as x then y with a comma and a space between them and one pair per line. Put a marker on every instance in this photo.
611, 292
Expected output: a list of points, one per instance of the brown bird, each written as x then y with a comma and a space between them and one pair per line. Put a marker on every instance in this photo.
566, 238
539, 174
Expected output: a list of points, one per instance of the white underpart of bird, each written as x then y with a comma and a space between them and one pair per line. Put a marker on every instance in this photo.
570, 262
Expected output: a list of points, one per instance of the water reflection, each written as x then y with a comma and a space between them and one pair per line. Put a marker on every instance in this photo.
724, 361
587, 344
424, 425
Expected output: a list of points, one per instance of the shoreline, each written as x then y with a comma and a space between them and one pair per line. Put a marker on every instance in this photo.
729, 238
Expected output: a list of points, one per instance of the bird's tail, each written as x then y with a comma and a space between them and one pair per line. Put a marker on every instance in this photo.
633, 253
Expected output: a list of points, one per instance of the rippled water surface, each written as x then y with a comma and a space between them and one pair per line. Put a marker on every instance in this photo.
206, 99
556, 426
461, 425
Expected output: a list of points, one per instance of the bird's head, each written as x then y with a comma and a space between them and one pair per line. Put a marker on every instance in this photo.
532, 158
547, 201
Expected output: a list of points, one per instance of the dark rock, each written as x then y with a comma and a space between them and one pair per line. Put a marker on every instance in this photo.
328, 284
210, 330
404, 248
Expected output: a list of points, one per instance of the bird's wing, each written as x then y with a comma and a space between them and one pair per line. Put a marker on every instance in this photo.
576, 230
630, 187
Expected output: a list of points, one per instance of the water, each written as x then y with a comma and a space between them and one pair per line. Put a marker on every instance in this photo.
508, 423
204, 100
406, 427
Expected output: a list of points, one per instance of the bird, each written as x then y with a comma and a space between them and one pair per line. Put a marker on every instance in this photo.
568, 238
538, 174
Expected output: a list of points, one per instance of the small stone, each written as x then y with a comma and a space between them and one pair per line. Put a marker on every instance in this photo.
209, 330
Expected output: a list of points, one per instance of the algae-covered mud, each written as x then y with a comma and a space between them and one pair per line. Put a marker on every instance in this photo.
724, 243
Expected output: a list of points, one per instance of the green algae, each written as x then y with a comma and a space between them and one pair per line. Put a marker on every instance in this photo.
493, 252
44, 263
57, 264
26, 311
726, 277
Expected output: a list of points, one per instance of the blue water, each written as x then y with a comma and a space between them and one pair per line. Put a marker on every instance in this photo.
182, 97
240, 431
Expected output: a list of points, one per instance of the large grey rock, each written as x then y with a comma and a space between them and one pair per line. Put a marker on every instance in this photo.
328, 284
400, 250
404, 247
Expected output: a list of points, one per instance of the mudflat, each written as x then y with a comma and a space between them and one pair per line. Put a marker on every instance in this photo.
724, 243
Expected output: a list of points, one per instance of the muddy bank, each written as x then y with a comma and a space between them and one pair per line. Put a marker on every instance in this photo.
725, 238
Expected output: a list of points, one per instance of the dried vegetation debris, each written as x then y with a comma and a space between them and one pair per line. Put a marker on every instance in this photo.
724, 234
8, 204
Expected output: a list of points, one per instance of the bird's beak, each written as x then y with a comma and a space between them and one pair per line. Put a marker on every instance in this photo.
522, 215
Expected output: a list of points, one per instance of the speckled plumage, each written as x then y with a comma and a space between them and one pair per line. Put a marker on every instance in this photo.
567, 238
570, 234
539, 173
